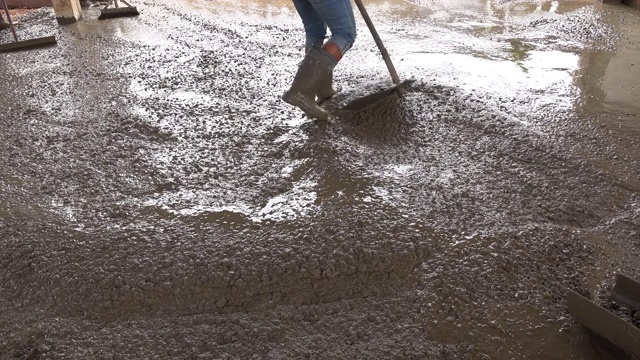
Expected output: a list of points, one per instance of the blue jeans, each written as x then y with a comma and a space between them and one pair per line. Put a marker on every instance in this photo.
336, 14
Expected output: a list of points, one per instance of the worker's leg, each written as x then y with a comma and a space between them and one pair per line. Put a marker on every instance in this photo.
315, 71
314, 27
316, 63
338, 15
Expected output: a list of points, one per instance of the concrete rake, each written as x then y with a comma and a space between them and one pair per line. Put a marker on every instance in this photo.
18, 45
398, 88
117, 11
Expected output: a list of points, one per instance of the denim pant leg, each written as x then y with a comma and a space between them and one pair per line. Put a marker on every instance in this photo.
338, 15
314, 27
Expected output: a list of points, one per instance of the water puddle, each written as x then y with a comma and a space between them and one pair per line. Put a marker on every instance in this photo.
608, 83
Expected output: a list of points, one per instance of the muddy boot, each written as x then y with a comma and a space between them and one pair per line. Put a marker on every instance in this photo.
325, 87
317, 63
3, 23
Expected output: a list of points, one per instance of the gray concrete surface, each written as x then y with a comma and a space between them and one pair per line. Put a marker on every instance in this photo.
158, 199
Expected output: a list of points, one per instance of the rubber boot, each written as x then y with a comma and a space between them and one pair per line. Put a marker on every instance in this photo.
3, 23
302, 94
325, 88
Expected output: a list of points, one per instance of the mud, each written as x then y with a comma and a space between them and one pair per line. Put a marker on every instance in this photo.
158, 199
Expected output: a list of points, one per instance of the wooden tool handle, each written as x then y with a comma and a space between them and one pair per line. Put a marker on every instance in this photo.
13, 29
376, 37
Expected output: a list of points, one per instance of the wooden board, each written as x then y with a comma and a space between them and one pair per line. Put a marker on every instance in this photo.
25, 44
605, 323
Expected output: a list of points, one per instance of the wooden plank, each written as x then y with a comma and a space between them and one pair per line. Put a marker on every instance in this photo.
627, 292
606, 324
50, 40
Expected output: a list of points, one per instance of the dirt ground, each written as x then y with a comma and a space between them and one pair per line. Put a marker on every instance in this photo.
159, 200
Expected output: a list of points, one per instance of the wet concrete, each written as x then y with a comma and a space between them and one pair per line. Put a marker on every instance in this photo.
159, 200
